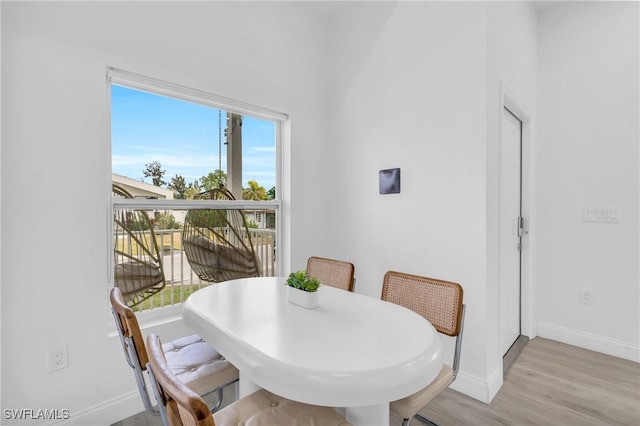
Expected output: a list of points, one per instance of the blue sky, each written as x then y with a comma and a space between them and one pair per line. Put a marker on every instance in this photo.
183, 137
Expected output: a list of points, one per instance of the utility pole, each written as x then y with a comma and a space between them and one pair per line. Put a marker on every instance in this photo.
233, 133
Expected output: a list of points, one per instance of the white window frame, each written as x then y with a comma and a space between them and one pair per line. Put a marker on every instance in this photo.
151, 85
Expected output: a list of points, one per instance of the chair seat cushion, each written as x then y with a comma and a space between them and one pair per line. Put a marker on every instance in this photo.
264, 408
409, 406
198, 365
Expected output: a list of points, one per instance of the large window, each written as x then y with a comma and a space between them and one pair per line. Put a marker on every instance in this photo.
194, 184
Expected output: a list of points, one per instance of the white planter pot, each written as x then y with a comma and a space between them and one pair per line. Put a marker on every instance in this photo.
302, 298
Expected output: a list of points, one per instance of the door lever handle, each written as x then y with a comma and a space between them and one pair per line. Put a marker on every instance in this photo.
521, 231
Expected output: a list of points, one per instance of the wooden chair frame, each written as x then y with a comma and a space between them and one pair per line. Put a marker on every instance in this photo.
178, 400
261, 407
136, 355
438, 301
134, 348
335, 273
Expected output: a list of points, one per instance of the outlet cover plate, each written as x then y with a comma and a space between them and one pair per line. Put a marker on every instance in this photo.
57, 358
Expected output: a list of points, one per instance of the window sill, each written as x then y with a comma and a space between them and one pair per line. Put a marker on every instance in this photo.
151, 318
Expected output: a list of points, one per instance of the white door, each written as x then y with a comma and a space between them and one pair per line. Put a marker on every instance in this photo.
510, 228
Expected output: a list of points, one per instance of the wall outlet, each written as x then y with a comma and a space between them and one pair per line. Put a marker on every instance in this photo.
586, 296
57, 358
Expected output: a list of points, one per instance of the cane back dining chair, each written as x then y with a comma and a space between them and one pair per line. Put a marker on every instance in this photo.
199, 366
440, 302
138, 270
184, 407
217, 243
335, 273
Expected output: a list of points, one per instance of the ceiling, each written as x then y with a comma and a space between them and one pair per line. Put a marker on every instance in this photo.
324, 9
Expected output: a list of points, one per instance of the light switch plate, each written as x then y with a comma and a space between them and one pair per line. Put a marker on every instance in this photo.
601, 214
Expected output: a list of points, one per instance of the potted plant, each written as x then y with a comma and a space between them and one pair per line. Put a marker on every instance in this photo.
303, 289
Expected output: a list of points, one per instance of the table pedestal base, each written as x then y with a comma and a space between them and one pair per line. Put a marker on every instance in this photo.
370, 415
246, 386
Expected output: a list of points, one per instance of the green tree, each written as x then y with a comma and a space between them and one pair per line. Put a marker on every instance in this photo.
207, 219
254, 192
216, 179
192, 190
166, 220
179, 186
137, 223
154, 170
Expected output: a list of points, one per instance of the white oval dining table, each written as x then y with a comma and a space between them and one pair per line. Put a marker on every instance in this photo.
352, 351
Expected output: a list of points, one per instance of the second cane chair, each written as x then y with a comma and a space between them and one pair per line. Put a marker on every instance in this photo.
335, 273
440, 302
196, 363
184, 407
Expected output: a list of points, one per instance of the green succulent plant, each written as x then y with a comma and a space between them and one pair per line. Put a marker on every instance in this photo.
302, 281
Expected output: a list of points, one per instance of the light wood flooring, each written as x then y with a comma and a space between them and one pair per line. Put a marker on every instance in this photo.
550, 383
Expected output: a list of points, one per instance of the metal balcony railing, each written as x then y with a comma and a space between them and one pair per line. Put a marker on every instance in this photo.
181, 281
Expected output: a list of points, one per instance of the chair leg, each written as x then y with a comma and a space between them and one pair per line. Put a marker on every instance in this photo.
425, 420
406, 422
219, 401
220, 392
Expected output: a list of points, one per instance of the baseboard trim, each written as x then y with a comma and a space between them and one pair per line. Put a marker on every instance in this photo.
590, 341
495, 383
105, 413
476, 388
512, 354
129, 404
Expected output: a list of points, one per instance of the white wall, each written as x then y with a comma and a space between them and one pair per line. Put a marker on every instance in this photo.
381, 85
0, 200
512, 61
56, 169
416, 86
587, 152
408, 90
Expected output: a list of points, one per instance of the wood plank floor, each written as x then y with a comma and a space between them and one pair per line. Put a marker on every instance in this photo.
550, 383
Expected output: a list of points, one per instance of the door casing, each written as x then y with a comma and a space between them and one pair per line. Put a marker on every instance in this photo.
510, 235
526, 294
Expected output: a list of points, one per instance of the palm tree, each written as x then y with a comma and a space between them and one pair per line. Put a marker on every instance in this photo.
254, 192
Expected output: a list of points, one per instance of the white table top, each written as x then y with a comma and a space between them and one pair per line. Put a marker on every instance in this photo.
352, 350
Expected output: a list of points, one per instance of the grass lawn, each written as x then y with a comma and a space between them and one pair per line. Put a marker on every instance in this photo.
166, 295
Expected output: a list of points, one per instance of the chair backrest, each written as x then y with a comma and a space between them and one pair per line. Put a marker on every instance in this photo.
335, 273
184, 406
440, 302
133, 344
138, 269
217, 243
128, 327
